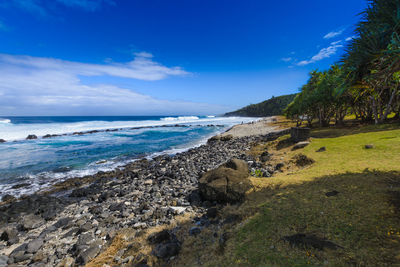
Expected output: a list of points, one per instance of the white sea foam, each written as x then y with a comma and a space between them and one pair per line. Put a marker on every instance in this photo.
181, 118
45, 179
5, 120
12, 132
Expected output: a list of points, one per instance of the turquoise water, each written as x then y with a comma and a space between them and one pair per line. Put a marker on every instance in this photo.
42, 162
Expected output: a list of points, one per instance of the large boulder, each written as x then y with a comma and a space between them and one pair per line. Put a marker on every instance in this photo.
226, 184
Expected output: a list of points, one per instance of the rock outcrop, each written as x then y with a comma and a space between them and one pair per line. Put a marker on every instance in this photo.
226, 184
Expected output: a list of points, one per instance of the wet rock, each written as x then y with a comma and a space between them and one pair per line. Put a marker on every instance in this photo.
18, 186
226, 184
321, 149
7, 198
31, 136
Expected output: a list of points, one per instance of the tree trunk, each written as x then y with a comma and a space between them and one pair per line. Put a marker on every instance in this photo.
374, 110
389, 106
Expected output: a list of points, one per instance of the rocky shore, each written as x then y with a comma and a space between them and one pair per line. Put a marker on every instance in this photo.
73, 224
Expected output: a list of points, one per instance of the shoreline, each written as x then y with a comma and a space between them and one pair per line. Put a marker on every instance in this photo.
121, 164
88, 211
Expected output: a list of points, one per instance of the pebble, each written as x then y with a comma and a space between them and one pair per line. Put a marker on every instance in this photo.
148, 192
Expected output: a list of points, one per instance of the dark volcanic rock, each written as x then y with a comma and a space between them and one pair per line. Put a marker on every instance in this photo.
166, 250
31, 136
265, 156
17, 186
88, 254
10, 235
226, 184
2, 141
212, 212
34, 245
8, 198
302, 160
332, 193
63, 222
160, 237
321, 149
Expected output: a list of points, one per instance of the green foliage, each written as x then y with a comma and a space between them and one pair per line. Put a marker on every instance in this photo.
367, 82
270, 107
257, 173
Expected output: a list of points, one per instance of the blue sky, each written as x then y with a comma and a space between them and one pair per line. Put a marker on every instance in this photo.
148, 57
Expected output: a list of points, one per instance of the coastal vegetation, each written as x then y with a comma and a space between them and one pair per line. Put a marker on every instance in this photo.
366, 83
271, 107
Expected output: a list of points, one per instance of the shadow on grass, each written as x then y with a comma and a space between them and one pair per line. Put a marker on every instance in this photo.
353, 127
360, 221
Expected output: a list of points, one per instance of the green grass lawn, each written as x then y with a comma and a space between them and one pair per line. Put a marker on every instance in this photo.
363, 219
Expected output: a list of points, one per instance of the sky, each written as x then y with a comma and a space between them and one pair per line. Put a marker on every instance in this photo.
163, 57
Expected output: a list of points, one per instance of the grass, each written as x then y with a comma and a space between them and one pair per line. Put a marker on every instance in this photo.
363, 218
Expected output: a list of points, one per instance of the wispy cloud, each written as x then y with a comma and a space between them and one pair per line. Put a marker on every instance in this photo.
287, 59
40, 86
350, 38
323, 53
333, 34
43, 7
142, 67
90, 5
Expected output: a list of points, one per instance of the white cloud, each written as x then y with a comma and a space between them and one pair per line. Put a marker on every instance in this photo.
350, 38
333, 34
286, 59
90, 5
47, 86
323, 53
142, 67
44, 7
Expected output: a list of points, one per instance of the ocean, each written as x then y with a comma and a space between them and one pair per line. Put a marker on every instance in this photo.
27, 166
